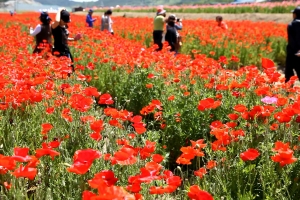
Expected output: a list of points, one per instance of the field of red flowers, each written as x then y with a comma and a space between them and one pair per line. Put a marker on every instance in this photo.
132, 123
249, 41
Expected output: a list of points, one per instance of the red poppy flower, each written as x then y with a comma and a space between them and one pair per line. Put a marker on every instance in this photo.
200, 172
26, 172
134, 188
211, 164
46, 150
50, 110
139, 127
7, 185
105, 99
284, 155
96, 136
267, 63
87, 195
105, 178
240, 108
7, 162
21, 154
196, 193
80, 102
91, 91
83, 160
97, 126
208, 103
157, 158
125, 156
250, 154
46, 128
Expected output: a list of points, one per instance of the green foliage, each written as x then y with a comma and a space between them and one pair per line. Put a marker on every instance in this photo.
128, 2
188, 80
213, 9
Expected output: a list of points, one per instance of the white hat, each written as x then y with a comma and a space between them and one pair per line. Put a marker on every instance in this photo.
161, 12
173, 15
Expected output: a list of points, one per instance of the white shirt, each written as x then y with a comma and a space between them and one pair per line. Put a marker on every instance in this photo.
106, 23
36, 31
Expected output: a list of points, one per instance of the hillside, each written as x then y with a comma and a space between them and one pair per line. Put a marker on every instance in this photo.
128, 2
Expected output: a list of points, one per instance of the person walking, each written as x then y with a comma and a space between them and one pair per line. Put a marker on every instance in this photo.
293, 46
61, 35
106, 22
89, 18
159, 23
42, 34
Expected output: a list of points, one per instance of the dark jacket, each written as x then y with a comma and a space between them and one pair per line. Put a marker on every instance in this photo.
43, 37
171, 37
293, 31
60, 35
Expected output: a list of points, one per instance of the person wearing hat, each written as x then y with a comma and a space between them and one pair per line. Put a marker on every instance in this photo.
159, 22
89, 19
293, 46
178, 24
61, 35
42, 33
106, 22
171, 34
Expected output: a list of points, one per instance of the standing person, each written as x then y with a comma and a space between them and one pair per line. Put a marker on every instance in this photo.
42, 33
89, 18
293, 46
221, 23
159, 22
178, 26
171, 35
61, 35
11, 13
106, 22
178, 23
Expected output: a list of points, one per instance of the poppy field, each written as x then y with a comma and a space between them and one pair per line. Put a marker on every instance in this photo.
240, 44
131, 123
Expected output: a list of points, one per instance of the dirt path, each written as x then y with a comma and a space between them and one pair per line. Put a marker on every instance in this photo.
280, 18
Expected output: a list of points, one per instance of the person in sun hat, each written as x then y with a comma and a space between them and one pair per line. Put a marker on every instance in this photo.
42, 33
293, 46
89, 18
159, 22
61, 35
